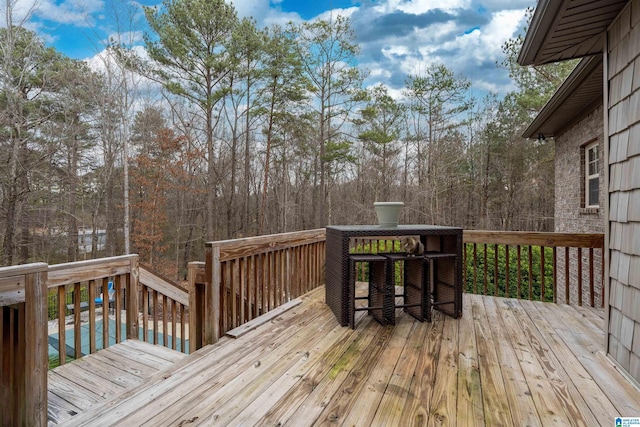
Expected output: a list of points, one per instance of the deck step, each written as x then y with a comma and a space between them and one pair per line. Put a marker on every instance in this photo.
99, 377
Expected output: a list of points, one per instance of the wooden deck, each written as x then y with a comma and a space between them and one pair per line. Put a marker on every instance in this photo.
94, 379
506, 362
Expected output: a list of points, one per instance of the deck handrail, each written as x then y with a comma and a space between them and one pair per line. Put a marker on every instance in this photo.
575, 261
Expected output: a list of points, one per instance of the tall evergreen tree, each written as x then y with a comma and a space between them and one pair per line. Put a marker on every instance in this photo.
189, 50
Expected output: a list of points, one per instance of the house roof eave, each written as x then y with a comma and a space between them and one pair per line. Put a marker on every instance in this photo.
585, 82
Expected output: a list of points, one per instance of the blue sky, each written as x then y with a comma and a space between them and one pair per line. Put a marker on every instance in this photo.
397, 37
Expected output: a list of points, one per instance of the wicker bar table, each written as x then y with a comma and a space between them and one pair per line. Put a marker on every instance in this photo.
436, 239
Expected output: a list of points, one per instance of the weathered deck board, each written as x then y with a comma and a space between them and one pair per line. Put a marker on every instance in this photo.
82, 384
506, 362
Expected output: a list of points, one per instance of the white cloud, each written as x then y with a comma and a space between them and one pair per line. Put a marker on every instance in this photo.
347, 13
418, 7
73, 12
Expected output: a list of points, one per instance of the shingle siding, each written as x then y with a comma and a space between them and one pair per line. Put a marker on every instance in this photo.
624, 187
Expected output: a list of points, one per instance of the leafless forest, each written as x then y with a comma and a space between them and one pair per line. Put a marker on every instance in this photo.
218, 129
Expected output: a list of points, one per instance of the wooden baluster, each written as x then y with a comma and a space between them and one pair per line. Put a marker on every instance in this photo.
145, 313
464, 269
519, 270
225, 307
542, 281
62, 314
233, 271
485, 269
183, 329
118, 303
77, 334
506, 274
251, 283
165, 321
555, 275
496, 282
92, 316
106, 303
580, 277
602, 287
475, 268
530, 272
591, 280
242, 287
567, 275
154, 299
174, 333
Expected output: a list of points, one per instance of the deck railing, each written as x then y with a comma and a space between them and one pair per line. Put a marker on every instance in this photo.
77, 285
251, 276
164, 307
145, 306
554, 267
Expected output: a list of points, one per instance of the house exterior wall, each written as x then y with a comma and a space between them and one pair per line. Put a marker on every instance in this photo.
623, 59
570, 214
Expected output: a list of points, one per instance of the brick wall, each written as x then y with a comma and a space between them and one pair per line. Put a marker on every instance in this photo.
570, 214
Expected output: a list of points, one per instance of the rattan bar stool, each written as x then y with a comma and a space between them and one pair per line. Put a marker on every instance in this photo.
440, 269
415, 290
378, 290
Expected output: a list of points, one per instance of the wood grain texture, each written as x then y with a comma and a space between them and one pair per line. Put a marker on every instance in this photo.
506, 362
584, 240
99, 378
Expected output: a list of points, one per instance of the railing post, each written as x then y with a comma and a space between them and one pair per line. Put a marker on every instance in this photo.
196, 297
23, 345
36, 353
131, 293
212, 295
